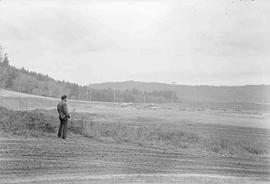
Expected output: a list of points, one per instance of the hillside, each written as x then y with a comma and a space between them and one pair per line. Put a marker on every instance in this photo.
200, 94
22, 80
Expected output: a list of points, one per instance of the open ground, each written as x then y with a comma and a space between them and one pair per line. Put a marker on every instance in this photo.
169, 145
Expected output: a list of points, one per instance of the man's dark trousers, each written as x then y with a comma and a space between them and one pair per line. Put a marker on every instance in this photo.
62, 131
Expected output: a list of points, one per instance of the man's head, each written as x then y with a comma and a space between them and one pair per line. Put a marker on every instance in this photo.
64, 97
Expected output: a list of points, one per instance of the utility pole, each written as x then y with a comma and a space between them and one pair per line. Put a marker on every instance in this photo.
263, 97
91, 98
79, 93
144, 98
173, 93
114, 96
89, 95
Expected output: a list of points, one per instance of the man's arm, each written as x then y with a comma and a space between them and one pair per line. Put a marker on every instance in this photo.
65, 110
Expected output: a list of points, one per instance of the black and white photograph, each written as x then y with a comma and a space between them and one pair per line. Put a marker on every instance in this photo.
134, 91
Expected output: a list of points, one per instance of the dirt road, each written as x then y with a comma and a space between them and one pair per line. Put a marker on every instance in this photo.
137, 178
84, 160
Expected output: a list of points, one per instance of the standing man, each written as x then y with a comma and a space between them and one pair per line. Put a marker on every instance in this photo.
63, 117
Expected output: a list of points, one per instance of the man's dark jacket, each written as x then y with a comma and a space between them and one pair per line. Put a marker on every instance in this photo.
62, 110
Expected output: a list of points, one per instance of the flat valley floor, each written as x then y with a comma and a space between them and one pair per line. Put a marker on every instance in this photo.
80, 159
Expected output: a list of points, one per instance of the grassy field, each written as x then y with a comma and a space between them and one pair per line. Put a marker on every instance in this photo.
167, 113
220, 142
164, 126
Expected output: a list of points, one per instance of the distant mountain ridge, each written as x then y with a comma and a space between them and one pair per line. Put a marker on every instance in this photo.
22, 80
204, 93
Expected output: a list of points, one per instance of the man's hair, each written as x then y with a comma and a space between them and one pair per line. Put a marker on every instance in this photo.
63, 97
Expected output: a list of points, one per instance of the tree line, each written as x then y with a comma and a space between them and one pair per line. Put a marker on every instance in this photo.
22, 80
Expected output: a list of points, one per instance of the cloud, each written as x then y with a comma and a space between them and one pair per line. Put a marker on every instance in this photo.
190, 41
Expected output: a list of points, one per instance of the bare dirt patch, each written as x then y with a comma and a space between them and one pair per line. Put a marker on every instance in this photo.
80, 160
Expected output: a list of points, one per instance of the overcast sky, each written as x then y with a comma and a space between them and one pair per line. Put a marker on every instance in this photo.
214, 42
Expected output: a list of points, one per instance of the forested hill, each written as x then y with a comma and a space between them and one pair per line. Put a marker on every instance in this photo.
25, 81
201, 94
30, 82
